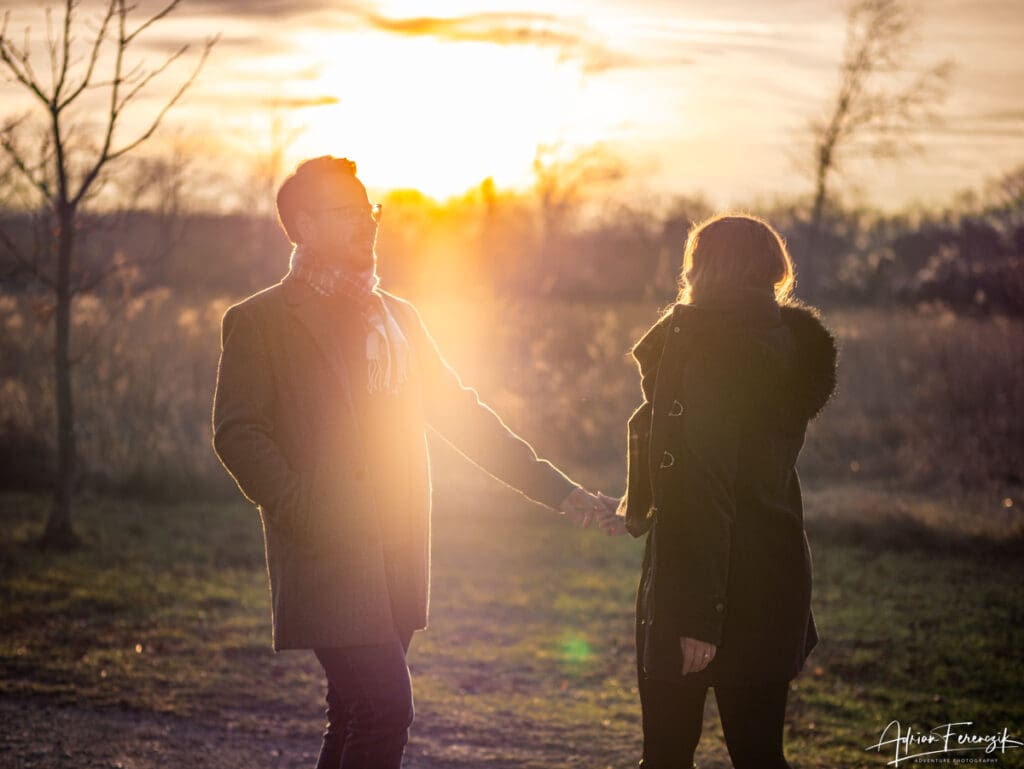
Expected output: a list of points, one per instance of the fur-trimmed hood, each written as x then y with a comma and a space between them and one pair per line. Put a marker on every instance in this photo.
812, 379
816, 356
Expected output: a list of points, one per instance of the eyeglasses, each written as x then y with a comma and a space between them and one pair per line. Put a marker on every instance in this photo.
355, 212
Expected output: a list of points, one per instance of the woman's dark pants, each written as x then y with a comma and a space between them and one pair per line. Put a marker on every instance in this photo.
753, 718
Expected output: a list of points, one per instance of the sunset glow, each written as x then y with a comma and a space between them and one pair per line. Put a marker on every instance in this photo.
469, 110
711, 99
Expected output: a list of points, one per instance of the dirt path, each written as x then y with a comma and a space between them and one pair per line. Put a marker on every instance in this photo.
40, 735
37, 735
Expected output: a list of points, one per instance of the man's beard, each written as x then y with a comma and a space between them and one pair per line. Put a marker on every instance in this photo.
361, 259
356, 255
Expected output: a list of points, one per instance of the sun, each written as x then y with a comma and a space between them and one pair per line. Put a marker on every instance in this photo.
437, 116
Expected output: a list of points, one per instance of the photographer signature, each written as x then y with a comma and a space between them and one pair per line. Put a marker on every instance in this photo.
946, 738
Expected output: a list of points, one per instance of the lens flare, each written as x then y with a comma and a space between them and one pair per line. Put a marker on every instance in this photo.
576, 650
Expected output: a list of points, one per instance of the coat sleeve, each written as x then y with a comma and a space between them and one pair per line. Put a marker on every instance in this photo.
637, 502
243, 428
696, 523
456, 413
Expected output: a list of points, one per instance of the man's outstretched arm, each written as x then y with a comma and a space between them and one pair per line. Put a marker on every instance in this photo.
457, 414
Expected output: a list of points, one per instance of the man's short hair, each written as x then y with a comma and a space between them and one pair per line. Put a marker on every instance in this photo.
300, 190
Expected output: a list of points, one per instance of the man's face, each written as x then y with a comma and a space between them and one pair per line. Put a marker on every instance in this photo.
343, 226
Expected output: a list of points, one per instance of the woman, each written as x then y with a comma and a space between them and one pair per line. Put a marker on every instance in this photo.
731, 375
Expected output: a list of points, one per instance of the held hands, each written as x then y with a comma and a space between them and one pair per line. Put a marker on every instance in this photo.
611, 524
583, 508
697, 655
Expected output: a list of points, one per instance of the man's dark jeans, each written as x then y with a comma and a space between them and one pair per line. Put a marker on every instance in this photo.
369, 705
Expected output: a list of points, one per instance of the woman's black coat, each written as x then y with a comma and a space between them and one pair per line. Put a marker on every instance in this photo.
728, 393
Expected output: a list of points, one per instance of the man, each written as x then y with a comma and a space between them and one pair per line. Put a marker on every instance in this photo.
325, 386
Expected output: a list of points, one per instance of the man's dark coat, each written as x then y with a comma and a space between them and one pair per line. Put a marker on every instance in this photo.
728, 394
286, 428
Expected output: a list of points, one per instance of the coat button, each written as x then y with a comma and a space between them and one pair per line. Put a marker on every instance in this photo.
667, 460
676, 330
719, 607
676, 410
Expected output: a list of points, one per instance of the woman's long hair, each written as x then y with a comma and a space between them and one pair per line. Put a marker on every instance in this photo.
732, 253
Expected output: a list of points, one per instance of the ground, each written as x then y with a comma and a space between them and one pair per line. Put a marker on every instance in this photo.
150, 647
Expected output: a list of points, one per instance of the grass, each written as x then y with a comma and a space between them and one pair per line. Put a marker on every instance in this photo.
529, 658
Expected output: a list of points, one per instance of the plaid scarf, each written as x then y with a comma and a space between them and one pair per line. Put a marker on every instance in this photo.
387, 350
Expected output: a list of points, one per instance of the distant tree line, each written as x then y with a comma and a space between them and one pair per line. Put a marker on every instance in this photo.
967, 260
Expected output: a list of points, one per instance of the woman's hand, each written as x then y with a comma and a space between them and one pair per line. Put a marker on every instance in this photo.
696, 654
611, 524
581, 507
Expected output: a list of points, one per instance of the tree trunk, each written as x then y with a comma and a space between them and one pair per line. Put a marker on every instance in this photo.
59, 533
810, 267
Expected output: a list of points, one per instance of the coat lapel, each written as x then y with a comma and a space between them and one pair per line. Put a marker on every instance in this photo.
301, 301
672, 359
672, 354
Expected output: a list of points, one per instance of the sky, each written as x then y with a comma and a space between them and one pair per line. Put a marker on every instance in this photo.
704, 96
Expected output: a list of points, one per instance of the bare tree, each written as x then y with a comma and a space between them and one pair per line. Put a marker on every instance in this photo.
881, 99
67, 168
268, 159
1005, 198
562, 182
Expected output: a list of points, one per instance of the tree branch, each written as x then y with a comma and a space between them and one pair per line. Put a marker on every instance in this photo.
94, 54
97, 278
65, 58
9, 147
11, 246
18, 63
153, 19
114, 308
170, 103
51, 46
104, 154
23, 262
145, 78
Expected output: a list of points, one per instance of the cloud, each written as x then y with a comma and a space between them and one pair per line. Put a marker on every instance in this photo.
978, 131
982, 124
1003, 116
573, 39
232, 44
298, 102
268, 103
265, 8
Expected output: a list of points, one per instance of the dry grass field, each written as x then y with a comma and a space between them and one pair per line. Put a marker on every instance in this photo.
150, 646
